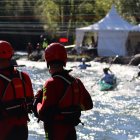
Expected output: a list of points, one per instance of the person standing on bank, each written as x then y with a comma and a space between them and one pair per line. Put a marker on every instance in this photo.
29, 49
60, 102
16, 97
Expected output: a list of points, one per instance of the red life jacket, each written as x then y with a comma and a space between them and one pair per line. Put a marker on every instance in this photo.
16, 92
75, 94
71, 102
71, 96
68, 105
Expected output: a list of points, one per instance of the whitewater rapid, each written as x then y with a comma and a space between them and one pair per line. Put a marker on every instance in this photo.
115, 115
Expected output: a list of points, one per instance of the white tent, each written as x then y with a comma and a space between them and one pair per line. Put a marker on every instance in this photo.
112, 33
136, 28
133, 41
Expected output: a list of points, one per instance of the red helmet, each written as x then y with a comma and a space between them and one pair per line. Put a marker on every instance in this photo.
56, 52
6, 50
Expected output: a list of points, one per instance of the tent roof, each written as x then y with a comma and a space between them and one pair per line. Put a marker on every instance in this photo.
112, 21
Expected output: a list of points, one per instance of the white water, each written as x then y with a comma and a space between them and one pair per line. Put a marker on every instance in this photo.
116, 114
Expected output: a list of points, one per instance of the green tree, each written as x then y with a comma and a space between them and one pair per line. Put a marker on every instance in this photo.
15, 9
102, 7
131, 10
63, 16
18, 21
49, 15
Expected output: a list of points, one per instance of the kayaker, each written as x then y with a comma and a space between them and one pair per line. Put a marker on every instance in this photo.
16, 97
62, 98
108, 76
84, 65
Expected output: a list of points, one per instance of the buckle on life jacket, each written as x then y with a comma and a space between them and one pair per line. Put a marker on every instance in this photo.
17, 108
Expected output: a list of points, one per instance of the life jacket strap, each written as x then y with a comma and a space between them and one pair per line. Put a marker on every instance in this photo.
6, 78
63, 78
17, 106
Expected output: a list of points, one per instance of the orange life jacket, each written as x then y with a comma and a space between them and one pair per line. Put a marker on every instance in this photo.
74, 98
72, 95
75, 94
69, 110
16, 97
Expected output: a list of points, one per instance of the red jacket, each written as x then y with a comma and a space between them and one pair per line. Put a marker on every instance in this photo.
10, 97
53, 92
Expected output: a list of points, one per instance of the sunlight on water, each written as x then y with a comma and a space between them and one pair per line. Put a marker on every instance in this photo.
116, 114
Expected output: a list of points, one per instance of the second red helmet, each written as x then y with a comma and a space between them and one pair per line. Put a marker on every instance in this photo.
56, 52
6, 50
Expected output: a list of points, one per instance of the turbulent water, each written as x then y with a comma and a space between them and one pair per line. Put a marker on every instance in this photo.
116, 114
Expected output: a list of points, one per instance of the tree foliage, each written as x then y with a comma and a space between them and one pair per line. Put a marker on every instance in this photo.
14, 9
131, 10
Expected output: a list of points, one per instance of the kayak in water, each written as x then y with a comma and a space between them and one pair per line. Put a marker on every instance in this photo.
108, 81
107, 86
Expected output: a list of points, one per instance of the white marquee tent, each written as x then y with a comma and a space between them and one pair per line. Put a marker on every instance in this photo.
136, 28
133, 41
112, 33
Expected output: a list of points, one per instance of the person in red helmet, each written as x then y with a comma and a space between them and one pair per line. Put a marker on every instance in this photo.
16, 97
60, 102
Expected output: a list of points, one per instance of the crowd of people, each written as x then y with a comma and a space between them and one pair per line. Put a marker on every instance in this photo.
58, 104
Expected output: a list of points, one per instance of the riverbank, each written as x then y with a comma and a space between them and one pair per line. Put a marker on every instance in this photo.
123, 60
